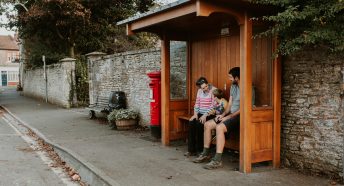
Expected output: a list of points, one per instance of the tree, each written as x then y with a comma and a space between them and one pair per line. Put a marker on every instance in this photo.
55, 20
106, 35
299, 23
73, 27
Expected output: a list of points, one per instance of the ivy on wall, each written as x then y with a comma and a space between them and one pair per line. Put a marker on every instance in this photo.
299, 23
81, 81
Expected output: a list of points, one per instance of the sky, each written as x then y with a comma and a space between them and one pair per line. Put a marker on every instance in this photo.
3, 31
3, 19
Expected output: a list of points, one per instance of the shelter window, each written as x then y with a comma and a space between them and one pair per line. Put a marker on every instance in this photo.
178, 70
262, 58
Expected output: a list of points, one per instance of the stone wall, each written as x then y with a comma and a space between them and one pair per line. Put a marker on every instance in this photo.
312, 117
127, 72
60, 78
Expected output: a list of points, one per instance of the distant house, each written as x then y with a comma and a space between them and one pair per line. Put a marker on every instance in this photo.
9, 61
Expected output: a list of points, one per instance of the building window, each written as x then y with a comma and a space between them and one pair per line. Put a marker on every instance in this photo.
9, 57
15, 58
13, 76
12, 57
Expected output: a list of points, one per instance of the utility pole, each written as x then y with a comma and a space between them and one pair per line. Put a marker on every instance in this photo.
45, 79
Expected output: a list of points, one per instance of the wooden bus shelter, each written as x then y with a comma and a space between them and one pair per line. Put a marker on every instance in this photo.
219, 36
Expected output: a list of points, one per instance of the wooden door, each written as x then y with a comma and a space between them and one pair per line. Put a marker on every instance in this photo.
262, 134
3, 78
262, 114
179, 94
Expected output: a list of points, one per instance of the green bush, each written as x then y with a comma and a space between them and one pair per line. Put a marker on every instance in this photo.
81, 81
122, 114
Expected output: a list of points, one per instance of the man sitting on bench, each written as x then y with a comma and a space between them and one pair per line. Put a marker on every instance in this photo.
228, 121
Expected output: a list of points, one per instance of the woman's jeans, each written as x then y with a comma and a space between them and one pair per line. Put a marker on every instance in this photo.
196, 132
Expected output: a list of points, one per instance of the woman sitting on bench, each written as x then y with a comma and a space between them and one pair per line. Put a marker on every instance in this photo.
204, 103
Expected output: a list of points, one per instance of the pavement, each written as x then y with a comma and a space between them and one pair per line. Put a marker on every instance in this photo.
18, 160
132, 157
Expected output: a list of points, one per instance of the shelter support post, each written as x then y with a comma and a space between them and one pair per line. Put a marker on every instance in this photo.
245, 94
165, 90
277, 80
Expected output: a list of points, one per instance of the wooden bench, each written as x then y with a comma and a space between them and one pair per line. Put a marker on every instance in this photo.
101, 105
233, 142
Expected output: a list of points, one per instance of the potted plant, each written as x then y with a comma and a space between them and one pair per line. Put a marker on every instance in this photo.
123, 119
112, 119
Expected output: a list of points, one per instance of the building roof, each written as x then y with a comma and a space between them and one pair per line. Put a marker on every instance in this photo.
151, 12
185, 16
178, 3
8, 43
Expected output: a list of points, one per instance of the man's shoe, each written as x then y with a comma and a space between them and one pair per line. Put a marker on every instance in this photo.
202, 158
213, 165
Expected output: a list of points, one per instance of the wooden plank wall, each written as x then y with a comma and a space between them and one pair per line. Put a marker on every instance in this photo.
212, 58
261, 135
178, 130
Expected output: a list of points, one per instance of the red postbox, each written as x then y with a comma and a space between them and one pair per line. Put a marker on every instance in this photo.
155, 103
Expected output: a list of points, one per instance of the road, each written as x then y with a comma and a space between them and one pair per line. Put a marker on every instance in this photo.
20, 164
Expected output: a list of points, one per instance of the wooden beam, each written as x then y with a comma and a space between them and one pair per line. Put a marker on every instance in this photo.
179, 11
245, 95
277, 84
205, 8
129, 31
165, 90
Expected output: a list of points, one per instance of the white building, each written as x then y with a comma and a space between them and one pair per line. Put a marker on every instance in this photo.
9, 61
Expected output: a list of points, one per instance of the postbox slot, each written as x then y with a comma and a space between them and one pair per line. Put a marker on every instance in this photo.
151, 94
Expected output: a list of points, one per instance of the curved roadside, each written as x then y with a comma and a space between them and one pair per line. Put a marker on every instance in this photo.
86, 170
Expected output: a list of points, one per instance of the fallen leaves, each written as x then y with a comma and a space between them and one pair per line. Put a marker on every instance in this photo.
76, 177
57, 161
26, 149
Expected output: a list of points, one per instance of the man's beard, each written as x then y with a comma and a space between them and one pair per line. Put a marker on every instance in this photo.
235, 82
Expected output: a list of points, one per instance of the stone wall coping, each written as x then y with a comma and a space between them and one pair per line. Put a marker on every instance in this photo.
54, 65
95, 53
133, 52
68, 59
